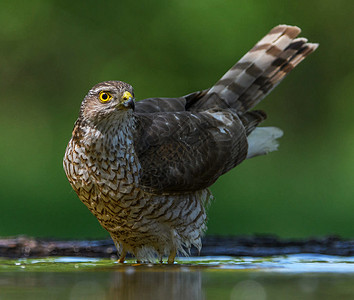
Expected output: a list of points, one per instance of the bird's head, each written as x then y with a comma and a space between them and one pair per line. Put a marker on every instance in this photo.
107, 98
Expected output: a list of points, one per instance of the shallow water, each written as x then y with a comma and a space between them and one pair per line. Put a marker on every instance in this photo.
301, 276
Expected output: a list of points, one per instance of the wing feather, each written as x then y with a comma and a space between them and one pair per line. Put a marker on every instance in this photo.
187, 151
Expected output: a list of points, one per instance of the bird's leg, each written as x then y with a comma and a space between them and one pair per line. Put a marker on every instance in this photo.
122, 256
171, 257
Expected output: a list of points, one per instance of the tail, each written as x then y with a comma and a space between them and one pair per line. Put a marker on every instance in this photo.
259, 71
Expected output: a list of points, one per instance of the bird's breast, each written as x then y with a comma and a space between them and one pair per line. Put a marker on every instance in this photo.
105, 166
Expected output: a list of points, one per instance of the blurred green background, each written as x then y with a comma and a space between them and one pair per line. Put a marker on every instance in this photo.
53, 52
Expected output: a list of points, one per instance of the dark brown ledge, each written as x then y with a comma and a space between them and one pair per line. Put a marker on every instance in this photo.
23, 246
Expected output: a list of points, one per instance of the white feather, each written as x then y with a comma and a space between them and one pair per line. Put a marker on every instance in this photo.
263, 140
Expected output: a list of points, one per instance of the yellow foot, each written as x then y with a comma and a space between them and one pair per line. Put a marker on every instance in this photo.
121, 260
171, 257
122, 256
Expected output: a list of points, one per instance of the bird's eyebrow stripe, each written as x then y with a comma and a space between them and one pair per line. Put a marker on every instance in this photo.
101, 88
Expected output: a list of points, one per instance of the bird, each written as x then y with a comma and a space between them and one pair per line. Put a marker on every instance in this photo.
144, 168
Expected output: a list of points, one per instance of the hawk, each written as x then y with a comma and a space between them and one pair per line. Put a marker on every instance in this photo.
144, 169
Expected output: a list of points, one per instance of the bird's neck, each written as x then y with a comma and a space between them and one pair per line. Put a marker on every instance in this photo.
114, 133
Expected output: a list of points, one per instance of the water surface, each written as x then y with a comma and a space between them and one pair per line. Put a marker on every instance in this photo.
301, 276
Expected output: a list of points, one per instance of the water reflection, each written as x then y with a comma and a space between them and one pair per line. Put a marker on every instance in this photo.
132, 283
135, 284
248, 289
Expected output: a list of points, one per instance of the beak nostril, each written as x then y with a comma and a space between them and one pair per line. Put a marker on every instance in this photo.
126, 96
129, 103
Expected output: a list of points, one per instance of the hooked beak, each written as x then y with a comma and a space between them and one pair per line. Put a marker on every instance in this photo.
129, 103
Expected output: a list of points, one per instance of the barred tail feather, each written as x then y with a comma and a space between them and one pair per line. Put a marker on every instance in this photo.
258, 71
264, 84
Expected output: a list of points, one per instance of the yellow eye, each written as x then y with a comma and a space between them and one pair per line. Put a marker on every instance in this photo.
127, 95
105, 96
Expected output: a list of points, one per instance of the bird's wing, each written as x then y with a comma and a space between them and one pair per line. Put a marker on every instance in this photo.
152, 105
186, 151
